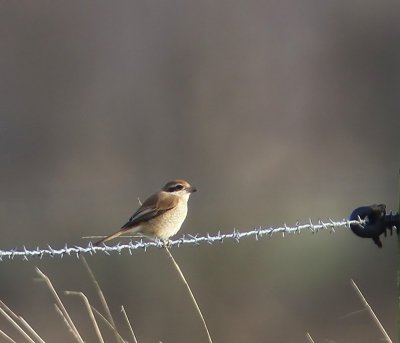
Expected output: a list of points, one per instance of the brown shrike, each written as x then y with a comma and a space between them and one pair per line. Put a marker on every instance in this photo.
161, 215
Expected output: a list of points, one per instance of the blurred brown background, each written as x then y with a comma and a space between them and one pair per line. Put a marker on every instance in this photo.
276, 111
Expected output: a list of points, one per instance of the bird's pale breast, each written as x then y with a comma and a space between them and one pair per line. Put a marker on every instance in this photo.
167, 224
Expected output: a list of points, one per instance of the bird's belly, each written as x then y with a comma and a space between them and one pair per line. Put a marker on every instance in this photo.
167, 224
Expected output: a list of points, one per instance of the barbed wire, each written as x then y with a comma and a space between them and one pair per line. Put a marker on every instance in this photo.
186, 239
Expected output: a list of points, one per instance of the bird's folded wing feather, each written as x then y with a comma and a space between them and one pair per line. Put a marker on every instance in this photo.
154, 206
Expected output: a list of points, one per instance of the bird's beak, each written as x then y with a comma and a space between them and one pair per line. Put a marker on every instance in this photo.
191, 189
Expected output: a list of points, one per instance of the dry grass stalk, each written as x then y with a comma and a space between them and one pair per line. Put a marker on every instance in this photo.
129, 324
70, 328
6, 338
16, 326
190, 292
309, 338
101, 297
31, 330
108, 324
60, 305
90, 312
26, 326
369, 309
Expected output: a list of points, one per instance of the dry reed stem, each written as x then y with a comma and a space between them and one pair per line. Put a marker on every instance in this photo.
101, 297
31, 330
369, 309
90, 312
108, 324
129, 324
309, 338
6, 337
190, 292
59, 304
70, 329
16, 326
22, 321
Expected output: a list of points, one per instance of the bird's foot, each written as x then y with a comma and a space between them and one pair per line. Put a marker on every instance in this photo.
167, 243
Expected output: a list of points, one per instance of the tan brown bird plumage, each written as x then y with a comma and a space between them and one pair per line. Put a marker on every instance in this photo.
161, 215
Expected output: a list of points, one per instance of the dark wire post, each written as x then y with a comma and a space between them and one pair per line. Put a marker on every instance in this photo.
398, 268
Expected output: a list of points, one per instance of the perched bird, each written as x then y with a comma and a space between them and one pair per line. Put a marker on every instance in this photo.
161, 215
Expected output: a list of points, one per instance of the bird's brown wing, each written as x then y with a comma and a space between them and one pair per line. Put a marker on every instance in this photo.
154, 206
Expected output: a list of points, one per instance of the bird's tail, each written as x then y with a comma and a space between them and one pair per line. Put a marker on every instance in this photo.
105, 239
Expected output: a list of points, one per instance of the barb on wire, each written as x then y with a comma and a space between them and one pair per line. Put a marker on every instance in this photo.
193, 240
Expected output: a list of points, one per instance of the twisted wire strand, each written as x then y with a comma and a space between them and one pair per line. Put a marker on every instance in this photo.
186, 239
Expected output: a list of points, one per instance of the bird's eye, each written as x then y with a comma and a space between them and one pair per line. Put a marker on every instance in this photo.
176, 188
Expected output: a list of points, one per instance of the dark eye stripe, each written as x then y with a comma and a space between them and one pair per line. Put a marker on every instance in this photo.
175, 188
